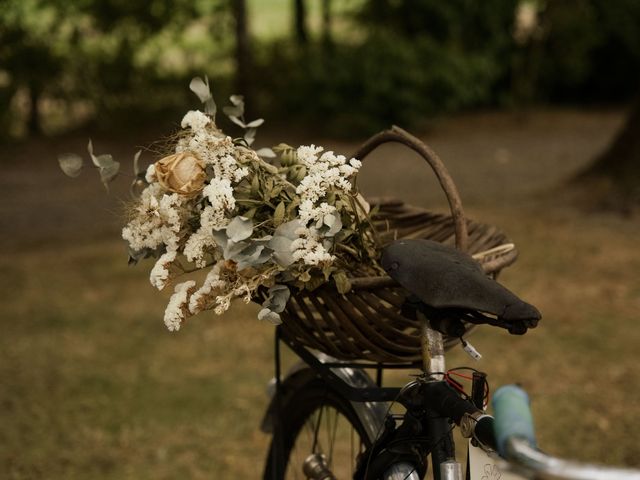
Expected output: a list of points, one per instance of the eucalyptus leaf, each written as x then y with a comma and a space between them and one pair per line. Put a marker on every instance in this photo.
266, 153
278, 297
252, 256
109, 171
234, 249
235, 119
210, 108
255, 123
334, 222
269, 316
288, 229
220, 237
104, 161
282, 252
201, 88
136, 164
71, 164
238, 101
250, 135
239, 229
248, 256
232, 111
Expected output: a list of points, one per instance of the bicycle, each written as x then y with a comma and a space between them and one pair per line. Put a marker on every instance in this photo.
329, 419
334, 402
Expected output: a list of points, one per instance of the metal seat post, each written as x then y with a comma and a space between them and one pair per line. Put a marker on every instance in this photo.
432, 344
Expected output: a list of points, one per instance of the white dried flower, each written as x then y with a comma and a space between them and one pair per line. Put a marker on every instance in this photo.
309, 249
219, 192
308, 155
196, 120
201, 297
160, 274
177, 308
158, 221
197, 245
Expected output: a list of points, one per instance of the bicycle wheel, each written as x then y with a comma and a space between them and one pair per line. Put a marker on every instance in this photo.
316, 420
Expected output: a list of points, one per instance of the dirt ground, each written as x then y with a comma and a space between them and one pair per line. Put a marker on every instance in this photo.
94, 387
495, 159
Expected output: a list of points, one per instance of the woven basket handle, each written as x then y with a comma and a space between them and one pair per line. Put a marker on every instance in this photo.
397, 134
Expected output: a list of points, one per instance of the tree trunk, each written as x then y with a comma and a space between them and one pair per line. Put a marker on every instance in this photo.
300, 22
243, 49
327, 38
34, 124
620, 162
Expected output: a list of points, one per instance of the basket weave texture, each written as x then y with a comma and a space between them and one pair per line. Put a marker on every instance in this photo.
367, 323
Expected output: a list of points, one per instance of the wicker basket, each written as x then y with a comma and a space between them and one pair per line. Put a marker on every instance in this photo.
366, 323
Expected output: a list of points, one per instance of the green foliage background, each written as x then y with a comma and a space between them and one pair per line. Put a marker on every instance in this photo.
381, 62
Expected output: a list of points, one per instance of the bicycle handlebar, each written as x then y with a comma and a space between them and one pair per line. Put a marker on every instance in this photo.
513, 428
512, 417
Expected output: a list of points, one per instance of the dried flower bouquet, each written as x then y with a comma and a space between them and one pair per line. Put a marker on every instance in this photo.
272, 219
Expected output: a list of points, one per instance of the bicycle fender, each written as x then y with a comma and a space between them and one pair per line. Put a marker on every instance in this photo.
371, 414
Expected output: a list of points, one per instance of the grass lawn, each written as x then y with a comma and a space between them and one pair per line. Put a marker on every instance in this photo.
92, 386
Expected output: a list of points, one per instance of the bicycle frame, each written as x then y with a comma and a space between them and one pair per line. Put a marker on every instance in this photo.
369, 401
426, 426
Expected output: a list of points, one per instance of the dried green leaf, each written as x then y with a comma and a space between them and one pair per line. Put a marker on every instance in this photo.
301, 172
292, 206
315, 282
250, 213
278, 214
255, 184
71, 164
277, 190
268, 184
343, 285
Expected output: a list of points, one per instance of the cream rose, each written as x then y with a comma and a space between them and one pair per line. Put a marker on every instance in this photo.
181, 173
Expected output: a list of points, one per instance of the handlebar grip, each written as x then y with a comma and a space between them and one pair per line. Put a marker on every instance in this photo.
512, 415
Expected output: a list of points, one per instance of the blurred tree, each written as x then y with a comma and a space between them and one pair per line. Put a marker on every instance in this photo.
590, 51
619, 164
30, 53
300, 22
327, 21
242, 49
113, 54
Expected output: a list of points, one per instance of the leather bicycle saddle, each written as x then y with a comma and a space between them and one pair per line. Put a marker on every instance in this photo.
444, 278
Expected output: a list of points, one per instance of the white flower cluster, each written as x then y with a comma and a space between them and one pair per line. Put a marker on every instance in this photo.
175, 312
158, 221
204, 224
217, 152
309, 249
325, 171
218, 155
